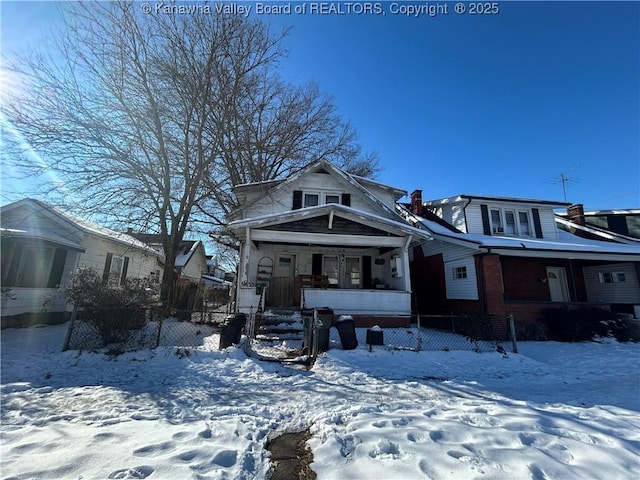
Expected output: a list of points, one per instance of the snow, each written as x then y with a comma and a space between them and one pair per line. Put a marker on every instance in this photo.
553, 411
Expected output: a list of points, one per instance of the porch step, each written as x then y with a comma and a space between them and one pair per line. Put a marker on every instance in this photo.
280, 324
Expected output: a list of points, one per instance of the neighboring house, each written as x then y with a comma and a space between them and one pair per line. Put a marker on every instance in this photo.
620, 226
191, 260
498, 255
42, 246
215, 277
324, 238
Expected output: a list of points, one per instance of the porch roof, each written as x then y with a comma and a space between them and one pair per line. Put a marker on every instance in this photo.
41, 235
398, 231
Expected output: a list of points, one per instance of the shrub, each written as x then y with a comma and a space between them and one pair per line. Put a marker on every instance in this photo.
475, 327
112, 310
535, 331
583, 324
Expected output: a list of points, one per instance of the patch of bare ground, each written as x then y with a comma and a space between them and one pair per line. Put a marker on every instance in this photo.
291, 457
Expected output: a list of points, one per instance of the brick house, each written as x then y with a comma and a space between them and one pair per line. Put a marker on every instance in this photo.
499, 255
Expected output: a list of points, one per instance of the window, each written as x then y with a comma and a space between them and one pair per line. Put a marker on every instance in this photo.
460, 273
311, 199
32, 265
525, 226
510, 222
352, 272
331, 269
612, 277
116, 270
496, 221
332, 199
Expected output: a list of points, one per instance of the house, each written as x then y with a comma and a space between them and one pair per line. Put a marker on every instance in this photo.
216, 277
41, 246
324, 238
191, 260
499, 255
620, 226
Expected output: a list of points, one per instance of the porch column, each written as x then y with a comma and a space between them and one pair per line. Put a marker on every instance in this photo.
246, 257
405, 264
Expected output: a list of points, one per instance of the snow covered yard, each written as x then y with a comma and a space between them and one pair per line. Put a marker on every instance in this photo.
553, 411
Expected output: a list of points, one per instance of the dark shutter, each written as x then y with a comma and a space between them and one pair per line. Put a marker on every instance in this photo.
297, 199
486, 226
107, 268
536, 222
57, 267
316, 264
125, 265
346, 199
366, 272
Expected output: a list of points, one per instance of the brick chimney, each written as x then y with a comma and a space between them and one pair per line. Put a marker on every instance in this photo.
575, 213
416, 202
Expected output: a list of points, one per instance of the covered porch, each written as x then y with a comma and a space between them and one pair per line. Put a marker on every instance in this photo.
328, 256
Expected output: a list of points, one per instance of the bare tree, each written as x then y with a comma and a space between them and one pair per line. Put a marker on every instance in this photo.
151, 119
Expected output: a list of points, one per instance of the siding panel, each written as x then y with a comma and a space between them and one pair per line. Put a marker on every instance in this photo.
620, 292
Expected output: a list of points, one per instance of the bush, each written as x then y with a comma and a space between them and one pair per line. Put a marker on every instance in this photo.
534, 331
112, 310
583, 324
475, 327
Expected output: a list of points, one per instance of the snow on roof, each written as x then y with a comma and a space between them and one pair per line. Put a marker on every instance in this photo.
187, 249
592, 229
464, 197
84, 225
566, 242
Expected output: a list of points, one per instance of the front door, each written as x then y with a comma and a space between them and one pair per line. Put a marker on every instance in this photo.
282, 287
557, 279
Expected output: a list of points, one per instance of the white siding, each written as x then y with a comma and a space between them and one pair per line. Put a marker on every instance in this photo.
461, 288
619, 292
141, 263
474, 219
281, 200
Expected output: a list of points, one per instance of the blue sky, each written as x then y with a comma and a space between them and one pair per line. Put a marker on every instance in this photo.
493, 104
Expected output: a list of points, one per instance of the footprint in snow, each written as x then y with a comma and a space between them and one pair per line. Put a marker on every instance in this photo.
131, 473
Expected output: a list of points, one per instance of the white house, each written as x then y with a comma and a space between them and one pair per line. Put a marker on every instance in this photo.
324, 238
42, 246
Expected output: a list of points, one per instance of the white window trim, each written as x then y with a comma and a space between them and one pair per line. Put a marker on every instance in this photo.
322, 196
616, 277
460, 272
501, 231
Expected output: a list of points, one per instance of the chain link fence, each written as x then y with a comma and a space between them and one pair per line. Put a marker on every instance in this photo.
120, 330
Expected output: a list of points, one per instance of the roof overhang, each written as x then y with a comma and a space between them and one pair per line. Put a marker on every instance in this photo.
41, 236
398, 230
566, 254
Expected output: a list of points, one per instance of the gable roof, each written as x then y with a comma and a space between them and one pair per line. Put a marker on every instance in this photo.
566, 246
81, 224
322, 164
383, 223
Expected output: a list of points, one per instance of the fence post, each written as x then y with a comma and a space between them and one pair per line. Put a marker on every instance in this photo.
160, 320
419, 346
512, 326
67, 338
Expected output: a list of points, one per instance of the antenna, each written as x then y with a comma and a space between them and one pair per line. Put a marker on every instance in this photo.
564, 179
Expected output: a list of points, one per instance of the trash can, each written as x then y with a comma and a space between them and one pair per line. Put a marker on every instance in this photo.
375, 336
347, 331
231, 330
325, 318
